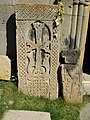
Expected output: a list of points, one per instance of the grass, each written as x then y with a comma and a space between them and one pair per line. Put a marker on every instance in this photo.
11, 98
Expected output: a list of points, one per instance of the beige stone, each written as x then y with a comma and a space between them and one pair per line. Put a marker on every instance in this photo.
5, 68
26, 115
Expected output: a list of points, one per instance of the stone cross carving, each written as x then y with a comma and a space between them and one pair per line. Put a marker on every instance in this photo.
37, 50
38, 55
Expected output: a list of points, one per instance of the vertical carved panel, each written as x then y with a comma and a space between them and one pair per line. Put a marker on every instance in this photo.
37, 50
38, 60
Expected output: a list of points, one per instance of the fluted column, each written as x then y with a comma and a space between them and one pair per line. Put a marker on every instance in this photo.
79, 23
74, 23
84, 30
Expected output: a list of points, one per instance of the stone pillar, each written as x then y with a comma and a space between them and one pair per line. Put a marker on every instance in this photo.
72, 76
84, 28
79, 23
74, 23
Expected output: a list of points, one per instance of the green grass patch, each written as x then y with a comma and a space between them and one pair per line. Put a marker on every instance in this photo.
12, 99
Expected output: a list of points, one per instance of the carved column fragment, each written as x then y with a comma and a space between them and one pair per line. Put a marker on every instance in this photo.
72, 76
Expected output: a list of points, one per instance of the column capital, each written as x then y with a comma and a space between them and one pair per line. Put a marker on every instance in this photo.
76, 2
81, 2
86, 2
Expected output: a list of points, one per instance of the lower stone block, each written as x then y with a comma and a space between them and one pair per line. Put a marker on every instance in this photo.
5, 68
72, 83
26, 115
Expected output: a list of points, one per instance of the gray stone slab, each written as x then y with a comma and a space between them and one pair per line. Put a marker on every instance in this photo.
86, 77
26, 115
85, 113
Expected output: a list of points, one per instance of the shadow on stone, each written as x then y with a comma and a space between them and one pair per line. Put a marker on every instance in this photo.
60, 84
86, 63
11, 42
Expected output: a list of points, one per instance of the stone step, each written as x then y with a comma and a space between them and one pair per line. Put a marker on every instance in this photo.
26, 115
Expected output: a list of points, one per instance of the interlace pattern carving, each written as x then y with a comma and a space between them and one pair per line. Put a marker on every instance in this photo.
37, 53
36, 12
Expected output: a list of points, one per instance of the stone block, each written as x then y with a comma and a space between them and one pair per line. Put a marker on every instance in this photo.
26, 115
86, 85
5, 68
72, 83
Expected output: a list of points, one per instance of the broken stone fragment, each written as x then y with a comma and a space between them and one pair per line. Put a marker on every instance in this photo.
71, 56
5, 68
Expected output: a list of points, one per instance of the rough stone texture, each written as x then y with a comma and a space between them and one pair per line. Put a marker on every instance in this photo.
26, 115
38, 55
85, 113
5, 68
72, 84
71, 56
72, 77
86, 84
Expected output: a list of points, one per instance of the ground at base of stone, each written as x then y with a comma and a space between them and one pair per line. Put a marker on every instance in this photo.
85, 113
26, 115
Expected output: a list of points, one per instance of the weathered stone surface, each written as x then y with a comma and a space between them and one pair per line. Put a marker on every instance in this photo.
28, 12
72, 84
26, 115
6, 2
72, 76
71, 56
5, 68
6, 12
32, 1
86, 84
38, 54
85, 112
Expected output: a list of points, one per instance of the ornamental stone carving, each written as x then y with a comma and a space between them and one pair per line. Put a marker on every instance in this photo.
38, 54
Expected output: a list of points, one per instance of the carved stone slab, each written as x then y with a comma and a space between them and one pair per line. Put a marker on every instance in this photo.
37, 50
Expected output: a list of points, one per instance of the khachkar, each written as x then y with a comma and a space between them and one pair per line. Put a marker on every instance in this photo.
71, 68
37, 50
